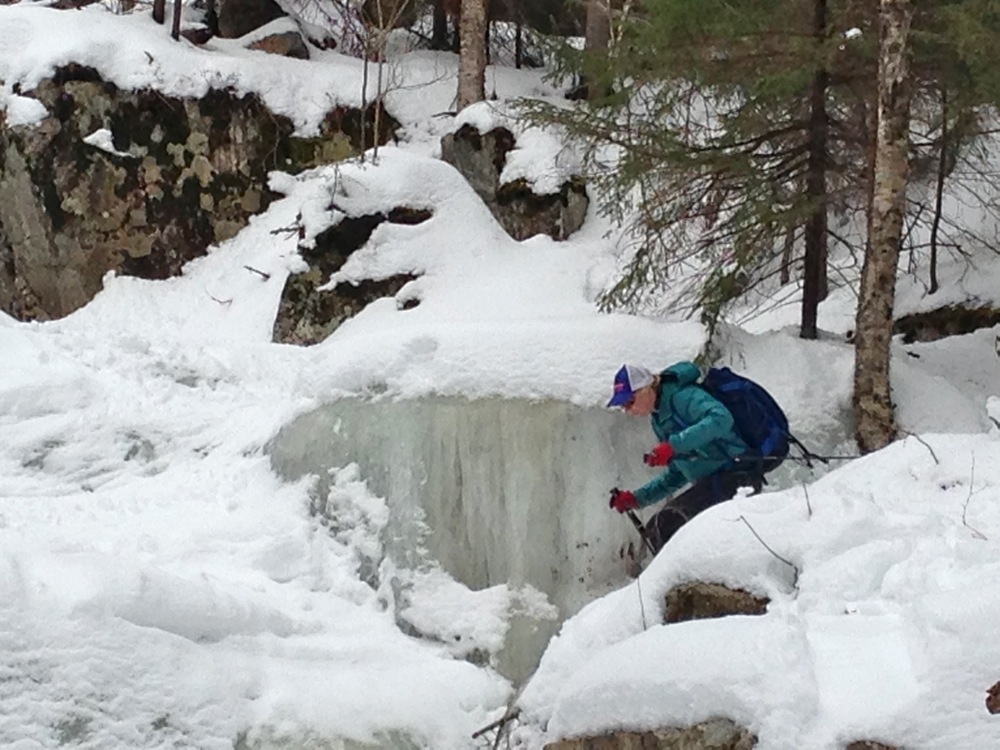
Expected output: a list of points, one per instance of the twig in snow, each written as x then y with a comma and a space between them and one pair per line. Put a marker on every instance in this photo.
510, 715
787, 562
500, 725
805, 489
642, 606
263, 275
926, 445
972, 479
221, 301
296, 228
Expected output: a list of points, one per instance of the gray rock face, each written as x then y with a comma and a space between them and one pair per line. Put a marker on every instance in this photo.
481, 158
138, 183
716, 734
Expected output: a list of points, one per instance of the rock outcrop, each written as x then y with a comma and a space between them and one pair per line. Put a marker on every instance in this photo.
993, 699
949, 320
284, 43
139, 183
234, 18
716, 734
308, 312
520, 211
699, 601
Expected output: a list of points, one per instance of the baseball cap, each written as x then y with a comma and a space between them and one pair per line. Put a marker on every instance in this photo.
628, 380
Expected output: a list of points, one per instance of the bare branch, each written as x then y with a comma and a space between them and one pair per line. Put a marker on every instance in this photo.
925, 444
789, 563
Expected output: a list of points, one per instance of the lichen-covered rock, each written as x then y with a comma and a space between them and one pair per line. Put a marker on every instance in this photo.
480, 158
526, 213
715, 734
139, 183
309, 313
700, 601
950, 320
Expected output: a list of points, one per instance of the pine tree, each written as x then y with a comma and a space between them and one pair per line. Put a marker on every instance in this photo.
745, 135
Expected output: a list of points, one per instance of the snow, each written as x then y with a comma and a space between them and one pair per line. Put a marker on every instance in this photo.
873, 638
103, 140
162, 586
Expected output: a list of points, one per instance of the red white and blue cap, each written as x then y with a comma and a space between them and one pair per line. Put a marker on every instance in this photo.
628, 380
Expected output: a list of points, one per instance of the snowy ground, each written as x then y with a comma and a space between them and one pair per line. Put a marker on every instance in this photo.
161, 587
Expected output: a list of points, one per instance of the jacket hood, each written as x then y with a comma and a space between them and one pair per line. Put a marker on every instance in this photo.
682, 373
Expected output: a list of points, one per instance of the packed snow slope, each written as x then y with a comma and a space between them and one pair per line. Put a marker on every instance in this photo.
161, 587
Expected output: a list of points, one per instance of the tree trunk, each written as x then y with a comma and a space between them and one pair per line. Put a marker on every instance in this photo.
175, 30
439, 29
518, 44
472, 57
939, 189
814, 271
159, 10
597, 35
873, 409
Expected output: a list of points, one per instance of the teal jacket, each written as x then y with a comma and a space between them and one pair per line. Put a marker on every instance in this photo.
697, 425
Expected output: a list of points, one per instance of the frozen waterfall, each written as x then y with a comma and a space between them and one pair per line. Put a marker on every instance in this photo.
496, 491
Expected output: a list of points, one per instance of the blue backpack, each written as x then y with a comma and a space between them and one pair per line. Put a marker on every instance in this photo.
757, 418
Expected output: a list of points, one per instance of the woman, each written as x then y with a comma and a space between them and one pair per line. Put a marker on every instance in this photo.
697, 445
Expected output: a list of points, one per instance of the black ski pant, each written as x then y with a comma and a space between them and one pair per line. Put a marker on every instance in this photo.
704, 493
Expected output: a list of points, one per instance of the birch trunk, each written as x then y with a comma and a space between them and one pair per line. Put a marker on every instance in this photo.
873, 409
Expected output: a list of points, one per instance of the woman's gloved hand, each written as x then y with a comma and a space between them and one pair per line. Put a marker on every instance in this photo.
623, 500
661, 455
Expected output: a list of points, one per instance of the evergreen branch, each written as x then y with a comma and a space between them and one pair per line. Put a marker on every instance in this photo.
756, 141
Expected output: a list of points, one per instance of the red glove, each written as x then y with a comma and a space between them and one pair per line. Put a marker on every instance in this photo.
623, 500
660, 455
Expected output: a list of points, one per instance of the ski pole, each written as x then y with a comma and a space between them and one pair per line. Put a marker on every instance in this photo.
642, 531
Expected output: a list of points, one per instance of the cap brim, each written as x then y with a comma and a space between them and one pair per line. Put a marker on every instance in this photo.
621, 398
